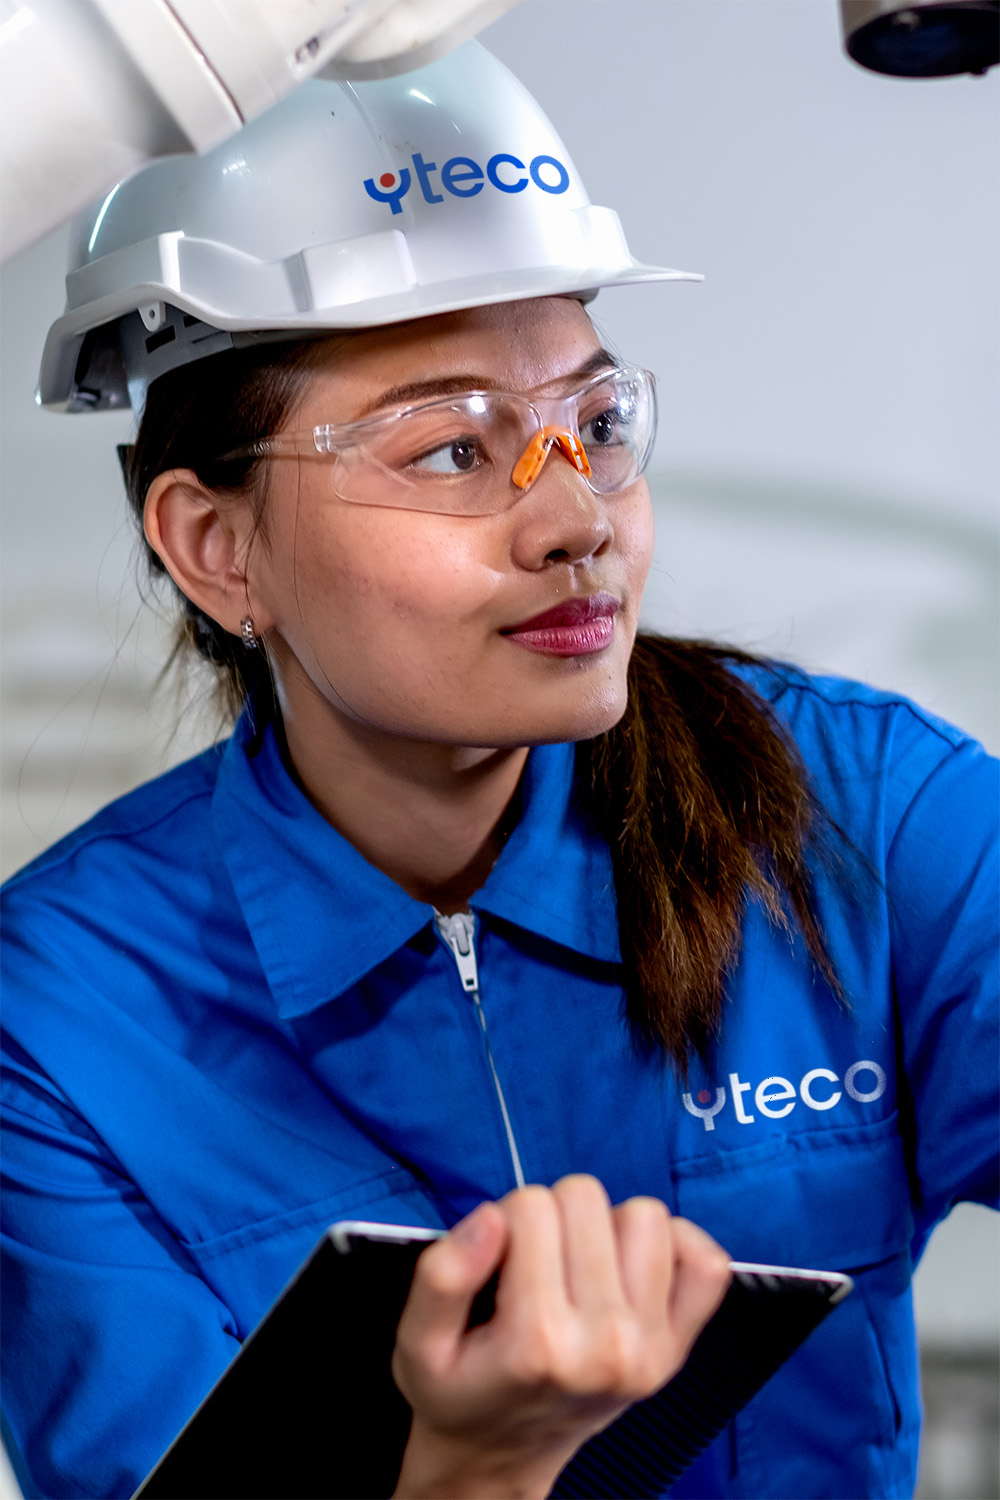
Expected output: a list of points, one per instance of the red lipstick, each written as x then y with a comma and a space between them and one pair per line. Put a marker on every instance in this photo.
577, 627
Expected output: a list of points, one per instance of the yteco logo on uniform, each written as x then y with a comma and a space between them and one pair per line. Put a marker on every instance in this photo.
775, 1097
464, 178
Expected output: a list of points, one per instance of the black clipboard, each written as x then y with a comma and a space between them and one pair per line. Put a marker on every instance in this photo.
309, 1408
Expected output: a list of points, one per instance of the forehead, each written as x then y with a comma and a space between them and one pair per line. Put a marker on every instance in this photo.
510, 346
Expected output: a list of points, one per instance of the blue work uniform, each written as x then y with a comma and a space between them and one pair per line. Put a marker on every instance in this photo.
226, 1030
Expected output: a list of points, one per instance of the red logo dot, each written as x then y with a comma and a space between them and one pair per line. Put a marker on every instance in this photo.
704, 1097
387, 179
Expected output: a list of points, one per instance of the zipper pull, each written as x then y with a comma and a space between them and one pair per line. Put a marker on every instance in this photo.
458, 932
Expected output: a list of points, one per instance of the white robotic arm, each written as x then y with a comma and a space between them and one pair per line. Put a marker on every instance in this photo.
91, 89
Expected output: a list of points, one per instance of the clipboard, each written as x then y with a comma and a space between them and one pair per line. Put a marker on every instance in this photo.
309, 1408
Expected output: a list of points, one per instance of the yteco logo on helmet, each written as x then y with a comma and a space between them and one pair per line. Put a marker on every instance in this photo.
464, 178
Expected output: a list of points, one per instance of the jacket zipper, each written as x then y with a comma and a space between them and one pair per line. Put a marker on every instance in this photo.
458, 932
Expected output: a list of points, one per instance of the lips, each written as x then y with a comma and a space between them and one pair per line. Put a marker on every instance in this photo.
576, 627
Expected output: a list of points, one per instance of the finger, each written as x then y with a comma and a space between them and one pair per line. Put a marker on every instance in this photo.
533, 1278
449, 1273
701, 1275
590, 1246
646, 1256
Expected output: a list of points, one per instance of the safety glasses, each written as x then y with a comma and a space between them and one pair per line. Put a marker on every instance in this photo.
477, 453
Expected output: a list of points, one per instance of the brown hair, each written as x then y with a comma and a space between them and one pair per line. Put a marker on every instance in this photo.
698, 791
704, 802
192, 415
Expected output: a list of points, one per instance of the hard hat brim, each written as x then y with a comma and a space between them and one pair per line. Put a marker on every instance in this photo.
57, 383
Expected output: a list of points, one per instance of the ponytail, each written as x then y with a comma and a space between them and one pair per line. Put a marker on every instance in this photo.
704, 803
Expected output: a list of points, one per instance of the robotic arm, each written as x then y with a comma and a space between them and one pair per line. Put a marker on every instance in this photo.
91, 89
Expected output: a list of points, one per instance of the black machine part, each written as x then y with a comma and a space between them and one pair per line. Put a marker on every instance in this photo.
922, 39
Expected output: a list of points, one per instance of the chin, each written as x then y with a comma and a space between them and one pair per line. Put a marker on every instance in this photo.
581, 721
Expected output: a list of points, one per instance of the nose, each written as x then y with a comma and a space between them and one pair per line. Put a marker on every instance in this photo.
560, 521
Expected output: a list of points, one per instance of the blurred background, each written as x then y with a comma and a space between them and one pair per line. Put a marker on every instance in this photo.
826, 480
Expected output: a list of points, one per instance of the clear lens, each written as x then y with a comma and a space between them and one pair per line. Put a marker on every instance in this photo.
452, 456
617, 424
457, 456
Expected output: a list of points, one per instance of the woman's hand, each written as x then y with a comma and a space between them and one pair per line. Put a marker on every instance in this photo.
596, 1307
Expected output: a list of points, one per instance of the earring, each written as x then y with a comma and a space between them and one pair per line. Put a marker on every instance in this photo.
247, 634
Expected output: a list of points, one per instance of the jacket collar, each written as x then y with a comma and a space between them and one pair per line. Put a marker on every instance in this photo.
321, 917
554, 875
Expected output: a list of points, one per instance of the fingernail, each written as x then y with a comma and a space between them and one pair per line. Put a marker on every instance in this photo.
470, 1231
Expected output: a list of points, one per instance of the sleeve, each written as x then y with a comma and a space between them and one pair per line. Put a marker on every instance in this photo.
943, 890
111, 1338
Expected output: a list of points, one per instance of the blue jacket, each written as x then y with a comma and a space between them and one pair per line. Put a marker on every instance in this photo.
226, 1030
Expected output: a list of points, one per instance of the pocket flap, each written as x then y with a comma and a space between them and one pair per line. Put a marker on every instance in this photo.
825, 1199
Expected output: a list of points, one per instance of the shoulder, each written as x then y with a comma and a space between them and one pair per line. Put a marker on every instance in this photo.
84, 923
870, 752
807, 703
163, 823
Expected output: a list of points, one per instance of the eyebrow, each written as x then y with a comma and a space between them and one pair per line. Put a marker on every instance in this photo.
452, 385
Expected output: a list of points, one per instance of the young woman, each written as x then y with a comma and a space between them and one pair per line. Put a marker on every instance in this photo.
490, 913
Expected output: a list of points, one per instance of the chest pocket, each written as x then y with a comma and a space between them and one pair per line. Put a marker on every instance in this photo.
247, 1267
830, 1199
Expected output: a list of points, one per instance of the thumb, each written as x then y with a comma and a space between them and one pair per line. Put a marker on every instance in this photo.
449, 1273
701, 1277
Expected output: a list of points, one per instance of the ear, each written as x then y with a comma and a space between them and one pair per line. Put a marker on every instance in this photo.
203, 542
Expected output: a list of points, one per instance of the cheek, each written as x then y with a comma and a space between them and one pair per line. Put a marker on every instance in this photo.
635, 535
381, 575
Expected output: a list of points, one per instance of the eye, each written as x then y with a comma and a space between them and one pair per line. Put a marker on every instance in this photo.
606, 427
461, 456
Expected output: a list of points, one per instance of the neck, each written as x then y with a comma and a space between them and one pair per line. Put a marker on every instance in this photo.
432, 817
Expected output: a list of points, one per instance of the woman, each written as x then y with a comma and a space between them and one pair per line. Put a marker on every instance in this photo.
482, 891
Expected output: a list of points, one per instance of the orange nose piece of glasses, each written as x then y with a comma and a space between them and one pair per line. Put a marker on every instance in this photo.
529, 465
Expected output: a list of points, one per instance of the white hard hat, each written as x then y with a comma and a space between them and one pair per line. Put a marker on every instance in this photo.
348, 205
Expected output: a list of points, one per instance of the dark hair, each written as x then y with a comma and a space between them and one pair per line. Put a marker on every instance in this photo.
704, 801
192, 416
698, 791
